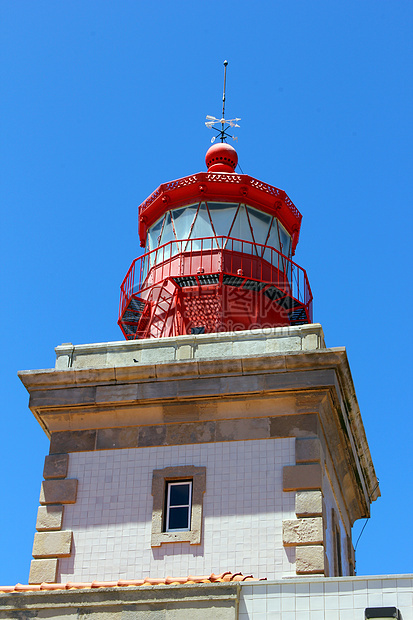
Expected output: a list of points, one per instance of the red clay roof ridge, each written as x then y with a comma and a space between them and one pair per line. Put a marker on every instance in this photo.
225, 577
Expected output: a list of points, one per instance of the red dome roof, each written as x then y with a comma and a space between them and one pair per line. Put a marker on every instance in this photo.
221, 157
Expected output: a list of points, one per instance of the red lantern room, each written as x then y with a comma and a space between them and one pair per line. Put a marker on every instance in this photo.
218, 257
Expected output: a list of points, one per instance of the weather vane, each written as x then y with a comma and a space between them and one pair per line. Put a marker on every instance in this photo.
225, 124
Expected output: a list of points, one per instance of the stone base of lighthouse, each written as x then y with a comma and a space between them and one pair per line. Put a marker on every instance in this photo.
263, 425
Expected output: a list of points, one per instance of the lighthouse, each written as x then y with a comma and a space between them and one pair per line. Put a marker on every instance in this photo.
221, 441
222, 436
218, 257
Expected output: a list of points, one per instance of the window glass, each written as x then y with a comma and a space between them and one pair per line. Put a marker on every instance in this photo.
167, 235
145, 269
179, 494
178, 506
285, 240
260, 223
183, 219
222, 214
201, 230
178, 518
242, 230
274, 242
153, 236
153, 233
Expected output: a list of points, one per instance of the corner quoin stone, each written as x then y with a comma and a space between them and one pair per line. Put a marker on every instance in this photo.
55, 466
308, 503
43, 571
49, 518
52, 544
309, 560
308, 450
58, 491
302, 477
302, 531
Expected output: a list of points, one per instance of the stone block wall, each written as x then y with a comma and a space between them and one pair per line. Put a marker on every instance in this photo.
51, 541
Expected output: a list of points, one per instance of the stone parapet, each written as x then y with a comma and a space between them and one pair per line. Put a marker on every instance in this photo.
201, 346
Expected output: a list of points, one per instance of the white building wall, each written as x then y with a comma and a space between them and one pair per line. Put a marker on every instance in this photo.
345, 598
244, 506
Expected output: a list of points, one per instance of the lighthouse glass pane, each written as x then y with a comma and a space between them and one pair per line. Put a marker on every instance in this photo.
167, 236
260, 223
154, 232
144, 272
183, 219
202, 229
222, 214
274, 242
285, 240
153, 236
242, 230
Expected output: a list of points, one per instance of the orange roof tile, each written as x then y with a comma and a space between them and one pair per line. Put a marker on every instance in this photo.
122, 583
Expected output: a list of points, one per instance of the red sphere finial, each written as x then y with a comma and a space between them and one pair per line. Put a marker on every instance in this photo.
221, 157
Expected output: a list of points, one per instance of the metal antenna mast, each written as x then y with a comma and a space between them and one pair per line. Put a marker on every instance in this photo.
225, 124
223, 101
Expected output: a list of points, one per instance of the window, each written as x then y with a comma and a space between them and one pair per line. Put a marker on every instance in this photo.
178, 494
178, 506
338, 566
381, 613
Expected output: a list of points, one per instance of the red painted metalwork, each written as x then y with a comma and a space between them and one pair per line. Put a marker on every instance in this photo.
220, 187
218, 283
221, 157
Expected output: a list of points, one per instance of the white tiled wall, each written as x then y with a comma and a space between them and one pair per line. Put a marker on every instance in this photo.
244, 507
326, 599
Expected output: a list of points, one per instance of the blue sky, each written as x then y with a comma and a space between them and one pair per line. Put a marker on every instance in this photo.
102, 101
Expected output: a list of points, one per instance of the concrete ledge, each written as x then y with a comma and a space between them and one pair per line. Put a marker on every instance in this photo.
302, 532
49, 518
309, 560
52, 544
43, 571
56, 466
58, 491
197, 602
309, 503
302, 477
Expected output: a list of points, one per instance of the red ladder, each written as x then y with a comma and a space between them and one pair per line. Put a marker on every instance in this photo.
162, 300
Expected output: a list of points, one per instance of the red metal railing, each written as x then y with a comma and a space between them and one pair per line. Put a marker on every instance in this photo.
216, 255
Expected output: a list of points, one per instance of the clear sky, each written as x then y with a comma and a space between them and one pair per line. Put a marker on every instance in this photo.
102, 101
